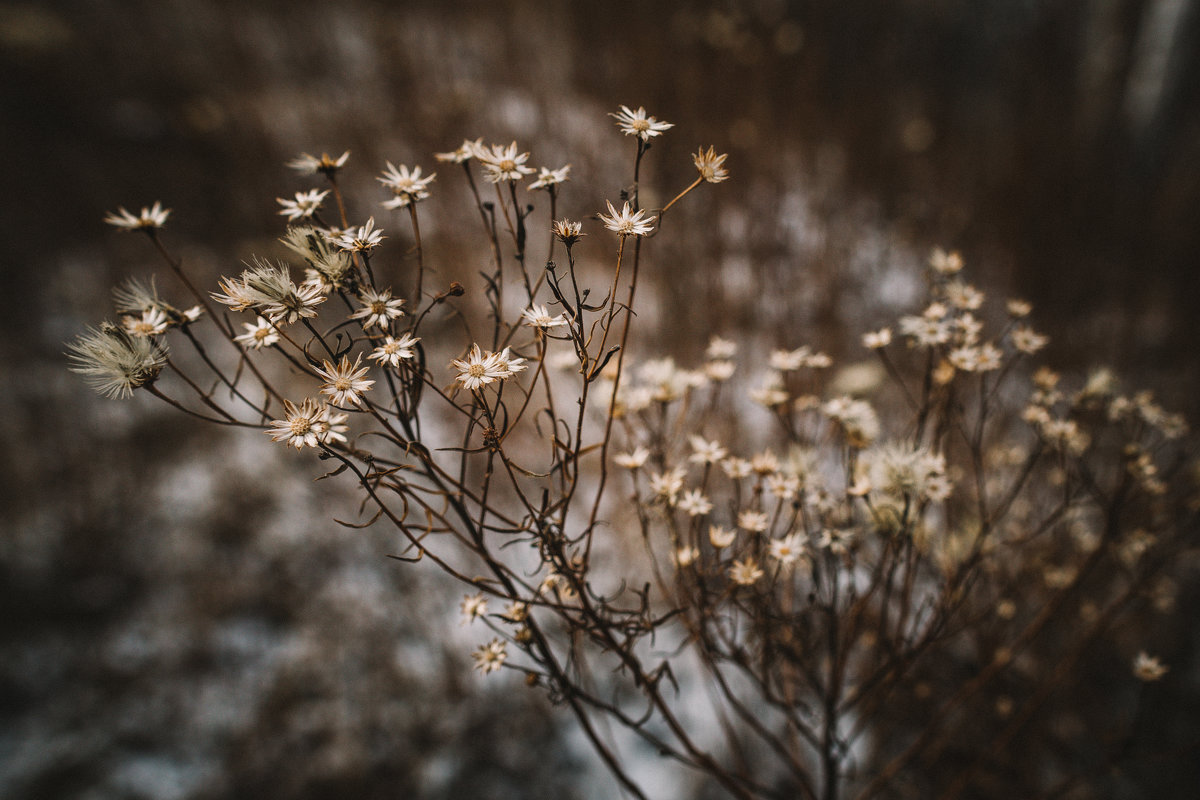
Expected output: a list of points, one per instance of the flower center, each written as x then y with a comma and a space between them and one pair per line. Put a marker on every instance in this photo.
640, 125
476, 370
508, 165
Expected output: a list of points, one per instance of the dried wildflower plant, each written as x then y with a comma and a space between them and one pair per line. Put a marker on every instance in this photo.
952, 528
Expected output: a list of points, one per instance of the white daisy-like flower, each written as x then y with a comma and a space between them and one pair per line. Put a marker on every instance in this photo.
362, 239
704, 451
788, 360
633, 460
491, 656
302, 426
667, 484
1027, 340
551, 177
835, 540
333, 425
114, 361
753, 521
478, 369
877, 339
720, 349
325, 164
539, 317
720, 537
408, 187
787, 550
502, 163
745, 572
686, 556
152, 322
1018, 308
1148, 668
694, 503
259, 334
465, 152
719, 370
149, 219
269, 288
304, 206
945, 263
627, 222
393, 350
963, 295
636, 123
737, 468
345, 383
511, 364
379, 308
473, 606
710, 165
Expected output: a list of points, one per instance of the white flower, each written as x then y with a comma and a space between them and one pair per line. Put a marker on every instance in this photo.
787, 549
1148, 668
737, 468
465, 152
511, 364
379, 308
627, 222
539, 317
151, 218
116, 362
694, 503
303, 426
745, 572
311, 165
721, 537
945, 263
551, 177
632, 460
491, 656
346, 382
667, 484
720, 349
1018, 308
1027, 340
704, 451
753, 521
685, 556
636, 123
259, 334
710, 165
408, 187
393, 351
503, 163
788, 360
305, 204
478, 370
473, 607
152, 322
358, 240
878, 339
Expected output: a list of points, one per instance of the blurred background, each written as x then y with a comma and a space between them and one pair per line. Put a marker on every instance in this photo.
184, 621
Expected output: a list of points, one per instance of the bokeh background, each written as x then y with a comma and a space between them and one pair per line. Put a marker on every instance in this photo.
181, 618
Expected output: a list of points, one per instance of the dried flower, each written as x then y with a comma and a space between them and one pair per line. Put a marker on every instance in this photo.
346, 382
150, 219
393, 351
745, 572
259, 334
503, 163
491, 656
408, 187
379, 308
115, 362
326, 164
627, 222
710, 165
636, 123
304, 206
360, 240
1148, 668
548, 178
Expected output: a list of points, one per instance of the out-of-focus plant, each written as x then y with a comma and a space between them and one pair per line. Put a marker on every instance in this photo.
920, 557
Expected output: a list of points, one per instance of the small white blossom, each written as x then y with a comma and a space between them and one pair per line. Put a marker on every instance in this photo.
627, 222
311, 165
259, 334
710, 165
393, 350
636, 123
502, 163
745, 572
304, 206
149, 219
550, 177
632, 460
379, 308
694, 503
346, 382
491, 656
